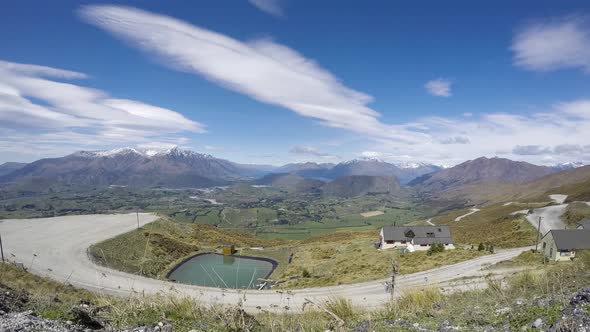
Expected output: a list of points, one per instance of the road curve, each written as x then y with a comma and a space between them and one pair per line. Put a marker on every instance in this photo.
56, 248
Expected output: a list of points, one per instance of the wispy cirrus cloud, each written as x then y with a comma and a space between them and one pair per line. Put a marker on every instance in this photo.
261, 69
272, 7
38, 107
275, 74
553, 44
439, 87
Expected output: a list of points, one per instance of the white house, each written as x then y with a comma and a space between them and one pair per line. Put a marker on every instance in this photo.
562, 244
415, 237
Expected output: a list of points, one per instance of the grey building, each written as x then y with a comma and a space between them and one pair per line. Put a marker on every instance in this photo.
418, 237
562, 244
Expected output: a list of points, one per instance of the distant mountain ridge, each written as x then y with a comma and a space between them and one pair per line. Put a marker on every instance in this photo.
10, 167
482, 169
185, 168
127, 166
404, 172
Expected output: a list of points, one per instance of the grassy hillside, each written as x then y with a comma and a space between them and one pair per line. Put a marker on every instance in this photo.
575, 212
492, 225
509, 306
155, 248
575, 183
328, 259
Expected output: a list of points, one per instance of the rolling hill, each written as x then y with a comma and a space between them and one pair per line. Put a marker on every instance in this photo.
497, 170
10, 167
357, 185
291, 183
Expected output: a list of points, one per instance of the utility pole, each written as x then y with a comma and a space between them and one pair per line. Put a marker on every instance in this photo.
137, 214
538, 235
1, 249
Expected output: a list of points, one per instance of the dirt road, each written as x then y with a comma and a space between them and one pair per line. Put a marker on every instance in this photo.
551, 218
56, 248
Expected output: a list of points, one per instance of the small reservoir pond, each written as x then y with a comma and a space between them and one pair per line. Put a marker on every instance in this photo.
215, 270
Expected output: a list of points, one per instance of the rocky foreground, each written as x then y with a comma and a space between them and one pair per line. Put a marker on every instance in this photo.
15, 315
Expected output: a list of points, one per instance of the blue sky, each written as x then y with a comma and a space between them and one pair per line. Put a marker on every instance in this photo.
266, 81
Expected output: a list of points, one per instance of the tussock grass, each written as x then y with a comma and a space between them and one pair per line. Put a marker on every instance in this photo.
342, 308
415, 301
492, 225
574, 213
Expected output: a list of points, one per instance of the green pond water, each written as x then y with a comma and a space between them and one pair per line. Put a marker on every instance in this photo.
214, 270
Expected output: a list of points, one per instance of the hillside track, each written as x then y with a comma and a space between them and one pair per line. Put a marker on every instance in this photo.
57, 248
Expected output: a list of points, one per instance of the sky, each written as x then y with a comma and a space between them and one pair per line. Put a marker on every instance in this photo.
279, 81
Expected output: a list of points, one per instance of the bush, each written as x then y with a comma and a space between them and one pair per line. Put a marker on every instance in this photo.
481, 247
305, 273
434, 248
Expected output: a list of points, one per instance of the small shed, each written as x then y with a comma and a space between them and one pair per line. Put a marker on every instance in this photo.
562, 244
228, 249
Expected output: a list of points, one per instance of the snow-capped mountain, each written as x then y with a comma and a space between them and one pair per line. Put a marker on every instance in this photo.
568, 165
128, 166
370, 166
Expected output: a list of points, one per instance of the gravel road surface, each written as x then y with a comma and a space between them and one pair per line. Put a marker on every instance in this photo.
551, 217
56, 248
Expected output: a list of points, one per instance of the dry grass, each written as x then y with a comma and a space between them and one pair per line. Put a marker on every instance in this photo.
416, 301
428, 307
357, 260
575, 212
493, 225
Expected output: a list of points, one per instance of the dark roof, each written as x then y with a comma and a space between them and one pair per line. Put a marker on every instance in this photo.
571, 239
585, 223
420, 234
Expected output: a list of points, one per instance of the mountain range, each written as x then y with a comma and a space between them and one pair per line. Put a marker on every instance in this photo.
126, 166
365, 166
184, 168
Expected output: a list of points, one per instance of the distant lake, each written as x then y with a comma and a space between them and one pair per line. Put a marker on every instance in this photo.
215, 270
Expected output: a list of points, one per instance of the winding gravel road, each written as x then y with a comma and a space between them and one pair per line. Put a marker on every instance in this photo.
551, 217
56, 248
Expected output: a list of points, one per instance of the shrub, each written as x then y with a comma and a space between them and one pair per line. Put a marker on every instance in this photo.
305, 273
481, 247
434, 248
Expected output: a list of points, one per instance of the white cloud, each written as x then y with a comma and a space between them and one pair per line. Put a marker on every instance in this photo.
272, 7
439, 87
371, 154
311, 152
263, 70
37, 107
455, 140
553, 44
275, 74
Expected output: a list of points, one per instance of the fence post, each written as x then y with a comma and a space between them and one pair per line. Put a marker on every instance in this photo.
1, 248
